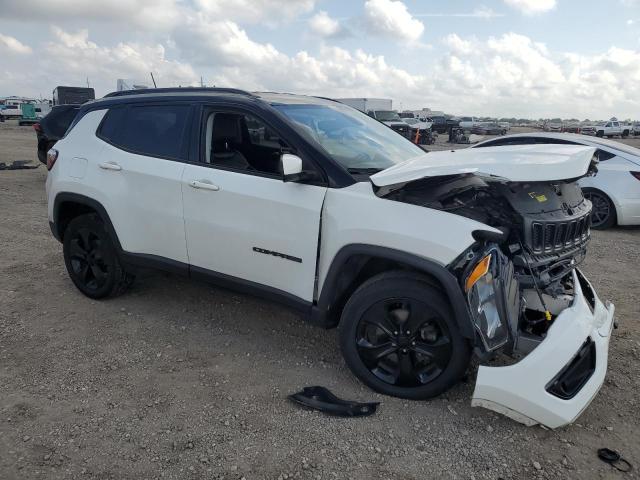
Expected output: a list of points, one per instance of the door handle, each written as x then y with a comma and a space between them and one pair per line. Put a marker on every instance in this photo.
110, 166
204, 185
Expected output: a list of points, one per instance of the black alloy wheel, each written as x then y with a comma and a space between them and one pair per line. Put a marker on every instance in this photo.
403, 342
91, 259
86, 255
603, 212
398, 335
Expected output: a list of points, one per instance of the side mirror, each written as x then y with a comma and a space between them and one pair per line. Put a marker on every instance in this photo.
291, 166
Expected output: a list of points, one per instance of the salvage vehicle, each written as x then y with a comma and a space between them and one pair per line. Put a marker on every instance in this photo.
608, 129
11, 112
52, 128
420, 132
488, 128
467, 123
422, 260
614, 191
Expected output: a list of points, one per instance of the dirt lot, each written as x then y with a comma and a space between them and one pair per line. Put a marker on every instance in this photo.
178, 379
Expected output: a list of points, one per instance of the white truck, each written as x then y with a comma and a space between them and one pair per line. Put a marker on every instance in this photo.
467, 123
608, 129
381, 110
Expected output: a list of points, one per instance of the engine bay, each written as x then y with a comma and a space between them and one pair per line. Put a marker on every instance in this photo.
545, 229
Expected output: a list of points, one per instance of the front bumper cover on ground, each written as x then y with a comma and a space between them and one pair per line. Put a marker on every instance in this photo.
519, 391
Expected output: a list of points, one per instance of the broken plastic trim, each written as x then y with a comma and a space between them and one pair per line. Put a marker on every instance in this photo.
320, 398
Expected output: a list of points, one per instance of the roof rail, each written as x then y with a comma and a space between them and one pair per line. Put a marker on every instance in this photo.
178, 89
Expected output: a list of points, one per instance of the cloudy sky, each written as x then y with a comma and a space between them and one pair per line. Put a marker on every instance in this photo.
530, 58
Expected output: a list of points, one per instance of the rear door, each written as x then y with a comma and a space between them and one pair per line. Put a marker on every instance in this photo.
139, 170
242, 220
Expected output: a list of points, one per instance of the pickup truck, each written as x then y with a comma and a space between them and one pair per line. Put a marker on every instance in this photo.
609, 129
467, 123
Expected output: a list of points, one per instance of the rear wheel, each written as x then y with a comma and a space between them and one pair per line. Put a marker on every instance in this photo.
398, 336
603, 213
599, 133
91, 258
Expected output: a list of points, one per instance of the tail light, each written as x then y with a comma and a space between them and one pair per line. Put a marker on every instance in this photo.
636, 174
52, 156
37, 127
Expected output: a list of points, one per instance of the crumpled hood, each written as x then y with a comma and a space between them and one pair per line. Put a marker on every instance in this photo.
515, 163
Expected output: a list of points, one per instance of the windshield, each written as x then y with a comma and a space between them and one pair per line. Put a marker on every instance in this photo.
410, 121
354, 140
387, 115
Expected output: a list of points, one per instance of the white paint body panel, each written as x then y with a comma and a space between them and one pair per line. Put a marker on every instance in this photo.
143, 199
518, 390
356, 215
248, 211
613, 177
520, 163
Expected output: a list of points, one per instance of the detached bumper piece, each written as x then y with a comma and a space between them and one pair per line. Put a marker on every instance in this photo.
320, 398
554, 383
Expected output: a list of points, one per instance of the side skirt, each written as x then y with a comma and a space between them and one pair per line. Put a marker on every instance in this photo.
138, 260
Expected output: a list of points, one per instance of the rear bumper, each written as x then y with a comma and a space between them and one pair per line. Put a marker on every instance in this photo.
522, 390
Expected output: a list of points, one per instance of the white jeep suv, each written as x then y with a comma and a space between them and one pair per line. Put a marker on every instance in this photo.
422, 260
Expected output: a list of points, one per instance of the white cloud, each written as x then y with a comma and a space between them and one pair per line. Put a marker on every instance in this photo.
392, 19
532, 7
325, 26
12, 45
148, 14
255, 10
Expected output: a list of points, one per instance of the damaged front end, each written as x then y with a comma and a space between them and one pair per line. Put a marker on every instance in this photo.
533, 311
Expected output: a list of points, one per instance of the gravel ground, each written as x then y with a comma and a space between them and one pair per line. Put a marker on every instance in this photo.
177, 379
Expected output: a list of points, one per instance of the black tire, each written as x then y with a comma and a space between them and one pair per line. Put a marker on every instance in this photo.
599, 133
625, 134
426, 337
603, 213
92, 260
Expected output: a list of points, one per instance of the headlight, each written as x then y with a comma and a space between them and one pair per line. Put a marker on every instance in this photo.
484, 294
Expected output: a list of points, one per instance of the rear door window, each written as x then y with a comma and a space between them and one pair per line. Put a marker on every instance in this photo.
151, 130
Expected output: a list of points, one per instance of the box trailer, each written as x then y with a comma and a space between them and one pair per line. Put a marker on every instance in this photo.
72, 95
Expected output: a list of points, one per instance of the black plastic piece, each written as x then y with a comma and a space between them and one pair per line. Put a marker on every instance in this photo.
570, 380
614, 459
320, 398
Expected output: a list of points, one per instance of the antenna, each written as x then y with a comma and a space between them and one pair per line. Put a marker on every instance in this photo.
154, 80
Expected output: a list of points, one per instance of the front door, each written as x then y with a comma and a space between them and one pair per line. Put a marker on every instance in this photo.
241, 219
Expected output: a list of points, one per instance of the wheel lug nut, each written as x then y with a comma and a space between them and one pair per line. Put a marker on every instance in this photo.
413, 344
408, 332
404, 350
395, 333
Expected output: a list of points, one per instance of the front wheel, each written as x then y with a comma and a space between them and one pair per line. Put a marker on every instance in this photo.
399, 337
91, 258
603, 211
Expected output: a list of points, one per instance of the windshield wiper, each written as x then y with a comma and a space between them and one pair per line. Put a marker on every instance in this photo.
364, 171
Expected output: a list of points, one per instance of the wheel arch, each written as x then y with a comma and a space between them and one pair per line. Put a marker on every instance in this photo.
68, 205
355, 263
611, 196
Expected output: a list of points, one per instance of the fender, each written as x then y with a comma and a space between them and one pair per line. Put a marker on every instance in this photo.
448, 282
64, 197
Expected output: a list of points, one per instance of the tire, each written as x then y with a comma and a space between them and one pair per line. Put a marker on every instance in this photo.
599, 133
405, 321
603, 214
91, 259
625, 134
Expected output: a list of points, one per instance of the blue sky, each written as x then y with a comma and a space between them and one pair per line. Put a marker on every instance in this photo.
524, 58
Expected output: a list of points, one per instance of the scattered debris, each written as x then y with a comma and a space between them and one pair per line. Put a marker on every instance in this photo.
18, 165
322, 399
614, 459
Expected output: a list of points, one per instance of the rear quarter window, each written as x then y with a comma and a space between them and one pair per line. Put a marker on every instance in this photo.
151, 130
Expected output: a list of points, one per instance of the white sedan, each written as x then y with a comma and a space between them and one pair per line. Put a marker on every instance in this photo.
614, 190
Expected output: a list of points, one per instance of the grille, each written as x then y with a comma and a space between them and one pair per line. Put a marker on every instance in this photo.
557, 236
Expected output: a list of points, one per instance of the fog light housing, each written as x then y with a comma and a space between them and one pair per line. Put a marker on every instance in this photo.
484, 294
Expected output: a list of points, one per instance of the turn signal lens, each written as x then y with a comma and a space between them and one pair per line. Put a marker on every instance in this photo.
52, 156
478, 272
